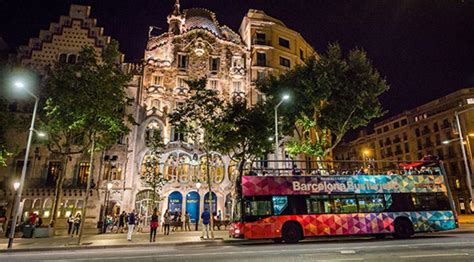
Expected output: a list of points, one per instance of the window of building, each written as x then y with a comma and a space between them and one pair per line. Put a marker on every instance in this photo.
71, 59
54, 168
419, 144
385, 128
237, 86
407, 147
283, 42
157, 80
301, 54
435, 127
213, 84
379, 131
181, 83
261, 59
396, 125
62, 58
380, 143
405, 137
285, 62
404, 122
84, 172
177, 135
438, 139
260, 75
260, 38
214, 64
446, 123
182, 61
238, 61
417, 132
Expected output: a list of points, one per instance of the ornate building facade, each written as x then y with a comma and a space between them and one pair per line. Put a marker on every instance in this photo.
194, 46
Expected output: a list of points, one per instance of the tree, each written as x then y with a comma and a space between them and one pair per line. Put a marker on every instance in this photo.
201, 119
151, 175
331, 95
85, 109
245, 131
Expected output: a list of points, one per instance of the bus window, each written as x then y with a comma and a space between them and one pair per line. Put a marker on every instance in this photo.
318, 204
400, 202
345, 204
258, 207
443, 201
425, 201
280, 203
371, 203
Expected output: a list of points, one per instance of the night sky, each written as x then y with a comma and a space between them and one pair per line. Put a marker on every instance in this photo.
425, 49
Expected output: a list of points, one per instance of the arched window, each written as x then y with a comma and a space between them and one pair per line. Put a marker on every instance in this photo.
71, 59
62, 58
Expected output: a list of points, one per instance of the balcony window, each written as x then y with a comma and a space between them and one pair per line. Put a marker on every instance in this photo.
157, 80
260, 39
84, 171
417, 132
214, 64
285, 62
283, 42
301, 54
213, 84
182, 61
261, 59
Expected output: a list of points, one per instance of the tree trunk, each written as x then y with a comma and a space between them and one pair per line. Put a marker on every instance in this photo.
209, 184
58, 192
88, 188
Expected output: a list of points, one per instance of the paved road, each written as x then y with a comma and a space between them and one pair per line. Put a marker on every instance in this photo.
446, 246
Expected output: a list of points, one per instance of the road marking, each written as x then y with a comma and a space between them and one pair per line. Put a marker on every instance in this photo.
342, 259
435, 255
346, 252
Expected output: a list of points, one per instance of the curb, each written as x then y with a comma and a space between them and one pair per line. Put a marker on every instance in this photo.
131, 245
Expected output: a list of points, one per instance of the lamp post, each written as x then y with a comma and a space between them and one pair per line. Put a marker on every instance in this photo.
463, 150
21, 85
198, 185
106, 205
283, 99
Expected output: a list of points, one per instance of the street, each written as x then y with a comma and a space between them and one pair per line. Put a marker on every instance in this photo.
444, 246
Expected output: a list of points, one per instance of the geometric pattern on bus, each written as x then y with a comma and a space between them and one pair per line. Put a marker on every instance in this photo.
285, 185
349, 224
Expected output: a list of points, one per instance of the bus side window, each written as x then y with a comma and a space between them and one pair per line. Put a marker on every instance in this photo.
371, 203
345, 203
425, 201
318, 204
401, 202
443, 201
297, 205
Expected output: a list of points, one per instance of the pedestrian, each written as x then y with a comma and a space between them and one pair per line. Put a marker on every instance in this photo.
206, 217
167, 221
296, 171
121, 222
176, 221
154, 225
70, 222
187, 222
131, 224
219, 215
77, 224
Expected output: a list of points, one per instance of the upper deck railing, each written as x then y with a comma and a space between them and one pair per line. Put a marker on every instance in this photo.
343, 167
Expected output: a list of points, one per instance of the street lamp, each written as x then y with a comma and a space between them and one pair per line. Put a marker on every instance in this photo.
198, 185
283, 99
21, 85
463, 150
107, 198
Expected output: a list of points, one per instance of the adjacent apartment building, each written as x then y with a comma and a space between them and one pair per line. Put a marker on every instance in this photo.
429, 129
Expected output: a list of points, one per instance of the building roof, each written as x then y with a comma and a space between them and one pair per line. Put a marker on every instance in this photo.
203, 19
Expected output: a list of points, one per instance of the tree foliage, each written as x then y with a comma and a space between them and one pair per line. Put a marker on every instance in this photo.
331, 95
150, 174
85, 102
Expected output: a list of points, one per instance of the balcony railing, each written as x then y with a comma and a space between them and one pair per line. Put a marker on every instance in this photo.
262, 42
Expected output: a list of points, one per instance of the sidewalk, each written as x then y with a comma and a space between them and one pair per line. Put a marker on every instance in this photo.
466, 219
114, 240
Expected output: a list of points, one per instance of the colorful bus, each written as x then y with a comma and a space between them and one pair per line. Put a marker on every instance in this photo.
289, 208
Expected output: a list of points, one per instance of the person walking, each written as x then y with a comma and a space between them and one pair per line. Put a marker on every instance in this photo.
154, 225
70, 222
77, 224
132, 220
167, 221
121, 222
187, 222
206, 218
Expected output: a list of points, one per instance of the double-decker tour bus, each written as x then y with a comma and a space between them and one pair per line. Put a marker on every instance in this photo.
296, 205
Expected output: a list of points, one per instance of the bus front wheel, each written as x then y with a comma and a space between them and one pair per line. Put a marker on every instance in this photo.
403, 228
292, 233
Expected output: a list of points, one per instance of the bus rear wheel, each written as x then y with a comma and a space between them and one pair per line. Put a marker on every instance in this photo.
291, 233
403, 228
